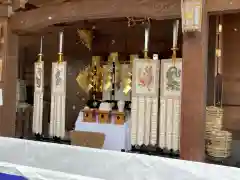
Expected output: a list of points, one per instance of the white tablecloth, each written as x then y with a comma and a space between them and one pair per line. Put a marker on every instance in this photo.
117, 137
107, 165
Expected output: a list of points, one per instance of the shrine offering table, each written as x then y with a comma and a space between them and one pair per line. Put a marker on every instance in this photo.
117, 137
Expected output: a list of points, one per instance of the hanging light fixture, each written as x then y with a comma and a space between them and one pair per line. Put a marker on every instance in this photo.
191, 15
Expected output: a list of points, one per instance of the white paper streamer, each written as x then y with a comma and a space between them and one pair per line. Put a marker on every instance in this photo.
176, 125
162, 124
134, 121
147, 119
154, 121
169, 123
141, 120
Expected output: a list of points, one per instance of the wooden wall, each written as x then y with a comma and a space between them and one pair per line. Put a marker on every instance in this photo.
231, 71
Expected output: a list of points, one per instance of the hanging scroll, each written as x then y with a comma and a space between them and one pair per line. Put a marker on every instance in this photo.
191, 15
38, 93
58, 95
145, 91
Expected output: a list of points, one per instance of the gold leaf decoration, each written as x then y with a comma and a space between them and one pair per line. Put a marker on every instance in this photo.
82, 79
113, 58
86, 37
127, 81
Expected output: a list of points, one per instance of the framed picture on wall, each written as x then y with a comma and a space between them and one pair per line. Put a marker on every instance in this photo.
171, 77
145, 77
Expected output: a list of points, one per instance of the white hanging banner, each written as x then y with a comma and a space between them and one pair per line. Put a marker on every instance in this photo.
145, 86
170, 106
38, 97
58, 99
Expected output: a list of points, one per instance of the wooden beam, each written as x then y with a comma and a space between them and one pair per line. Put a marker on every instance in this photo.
57, 12
93, 9
194, 85
225, 6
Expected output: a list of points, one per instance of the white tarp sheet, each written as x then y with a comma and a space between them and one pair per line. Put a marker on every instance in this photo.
108, 165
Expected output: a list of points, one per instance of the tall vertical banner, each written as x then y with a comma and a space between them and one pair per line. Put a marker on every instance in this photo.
58, 99
38, 97
144, 111
170, 104
38, 93
58, 94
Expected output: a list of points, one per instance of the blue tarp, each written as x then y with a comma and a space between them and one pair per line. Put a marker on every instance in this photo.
11, 177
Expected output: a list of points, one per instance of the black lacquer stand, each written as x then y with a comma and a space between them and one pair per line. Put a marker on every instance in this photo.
154, 150
55, 139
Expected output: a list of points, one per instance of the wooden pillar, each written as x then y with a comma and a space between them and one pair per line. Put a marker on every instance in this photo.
192, 144
9, 80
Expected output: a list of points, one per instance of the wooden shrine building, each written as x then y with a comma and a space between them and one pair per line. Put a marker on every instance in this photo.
20, 17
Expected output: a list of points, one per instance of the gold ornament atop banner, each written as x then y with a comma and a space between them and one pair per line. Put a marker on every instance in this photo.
175, 39
113, 72
86, 37
127, 80
191, 15
60, 52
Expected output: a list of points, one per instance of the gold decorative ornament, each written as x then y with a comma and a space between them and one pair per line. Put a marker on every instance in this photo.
134, 21
83, 80
127, 80
91, 78
113, 72
96, 74
86, 37
191, 15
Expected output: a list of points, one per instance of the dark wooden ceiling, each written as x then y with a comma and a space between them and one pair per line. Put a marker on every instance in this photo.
113, 30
